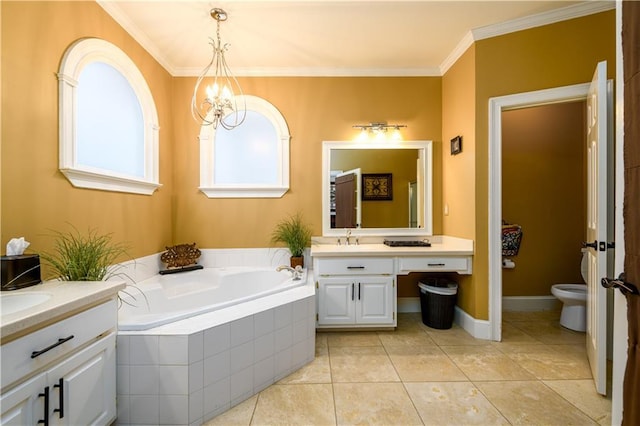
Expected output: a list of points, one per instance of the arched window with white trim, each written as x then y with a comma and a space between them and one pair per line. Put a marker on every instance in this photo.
249, 161
108, 120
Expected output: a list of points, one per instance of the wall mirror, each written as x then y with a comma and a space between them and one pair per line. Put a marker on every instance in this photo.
377, 188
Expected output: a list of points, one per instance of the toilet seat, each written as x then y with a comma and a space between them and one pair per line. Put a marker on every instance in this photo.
572, 292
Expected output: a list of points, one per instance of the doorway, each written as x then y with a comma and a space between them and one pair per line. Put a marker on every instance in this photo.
544, 192
599, 155
497, 105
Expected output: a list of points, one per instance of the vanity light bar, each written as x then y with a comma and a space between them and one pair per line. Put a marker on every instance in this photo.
378, 127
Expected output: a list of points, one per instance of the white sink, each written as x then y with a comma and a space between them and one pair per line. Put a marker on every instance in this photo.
11, 303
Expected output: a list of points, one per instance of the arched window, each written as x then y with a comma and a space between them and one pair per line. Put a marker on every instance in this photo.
250, 161
108, 120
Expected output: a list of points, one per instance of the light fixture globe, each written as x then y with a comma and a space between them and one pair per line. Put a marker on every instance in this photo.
220, 100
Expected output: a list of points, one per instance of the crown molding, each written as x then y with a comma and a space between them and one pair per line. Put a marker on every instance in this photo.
466, 42
112, 8
544, 18
525, 23
319, 72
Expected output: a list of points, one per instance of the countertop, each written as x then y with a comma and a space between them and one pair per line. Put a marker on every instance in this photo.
441, 245
67, 297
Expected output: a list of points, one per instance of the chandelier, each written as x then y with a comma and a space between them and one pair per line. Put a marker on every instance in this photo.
222, 102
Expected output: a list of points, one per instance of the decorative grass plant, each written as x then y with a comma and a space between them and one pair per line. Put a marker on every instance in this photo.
78, 257
294, 233
89, 257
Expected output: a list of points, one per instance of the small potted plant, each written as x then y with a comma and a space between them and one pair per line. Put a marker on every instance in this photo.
295, 234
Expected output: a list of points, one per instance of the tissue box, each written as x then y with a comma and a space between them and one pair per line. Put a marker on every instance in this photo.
20, 271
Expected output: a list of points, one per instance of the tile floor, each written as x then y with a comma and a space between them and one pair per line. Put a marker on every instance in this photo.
416, 375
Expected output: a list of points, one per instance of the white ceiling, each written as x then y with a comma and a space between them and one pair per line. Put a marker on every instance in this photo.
330, 37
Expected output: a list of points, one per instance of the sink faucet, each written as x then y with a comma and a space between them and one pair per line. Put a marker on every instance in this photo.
348, 236
296, 272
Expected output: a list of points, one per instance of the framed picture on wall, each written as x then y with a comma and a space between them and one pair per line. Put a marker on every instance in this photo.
377, 187
456, 145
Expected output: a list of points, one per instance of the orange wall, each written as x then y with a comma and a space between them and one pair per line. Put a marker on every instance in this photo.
316, 109
36, 198
543, 190
554, 55
458, 171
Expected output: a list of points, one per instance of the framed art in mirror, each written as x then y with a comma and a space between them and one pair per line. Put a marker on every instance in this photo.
377, 187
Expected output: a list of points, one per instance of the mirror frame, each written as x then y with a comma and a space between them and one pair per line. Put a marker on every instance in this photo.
426, 146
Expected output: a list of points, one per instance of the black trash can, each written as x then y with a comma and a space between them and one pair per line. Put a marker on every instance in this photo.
438, 304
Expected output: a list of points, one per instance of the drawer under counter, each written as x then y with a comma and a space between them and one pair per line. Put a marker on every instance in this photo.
36, 350
459, 264
354, 266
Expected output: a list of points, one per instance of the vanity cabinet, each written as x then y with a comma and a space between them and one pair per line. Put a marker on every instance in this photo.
62, 374
355, 292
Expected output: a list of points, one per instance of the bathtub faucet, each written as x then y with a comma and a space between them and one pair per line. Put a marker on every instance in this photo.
295, 272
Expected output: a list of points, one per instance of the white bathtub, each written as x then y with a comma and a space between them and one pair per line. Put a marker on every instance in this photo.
164, 299
193, 363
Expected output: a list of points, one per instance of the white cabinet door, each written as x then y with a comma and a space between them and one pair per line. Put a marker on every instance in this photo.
356, 300
336, 297
374, 300
83, 386
23, 404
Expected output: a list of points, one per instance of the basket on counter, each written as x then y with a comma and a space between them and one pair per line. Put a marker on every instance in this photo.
511, 238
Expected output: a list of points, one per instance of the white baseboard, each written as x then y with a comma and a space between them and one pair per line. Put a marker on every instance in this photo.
530, 303
477, 328
409, 304
480, 329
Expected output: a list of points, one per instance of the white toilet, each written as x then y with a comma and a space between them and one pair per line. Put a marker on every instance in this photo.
574, 299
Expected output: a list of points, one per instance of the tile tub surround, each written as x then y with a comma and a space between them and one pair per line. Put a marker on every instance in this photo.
191, 370
185, 379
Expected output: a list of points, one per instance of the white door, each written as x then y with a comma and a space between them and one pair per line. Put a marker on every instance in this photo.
83, 386
24, 404
597, 233
374, 300
336, 301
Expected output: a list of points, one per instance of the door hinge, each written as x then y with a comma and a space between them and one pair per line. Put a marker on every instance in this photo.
603, 246
317, 317
317, 285
393, 315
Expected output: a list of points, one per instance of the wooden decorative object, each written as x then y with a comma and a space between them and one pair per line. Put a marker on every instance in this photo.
181, 255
